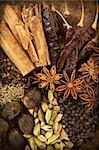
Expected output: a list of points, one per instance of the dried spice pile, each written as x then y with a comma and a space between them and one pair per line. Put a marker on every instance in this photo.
10, 93
48, 78
81, 123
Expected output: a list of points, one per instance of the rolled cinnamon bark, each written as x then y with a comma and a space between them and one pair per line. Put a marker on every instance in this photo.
20, 31
14, 50
35, 25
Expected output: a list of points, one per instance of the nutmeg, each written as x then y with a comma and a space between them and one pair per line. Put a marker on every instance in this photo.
15, 139
11, 110
4, 126
26, 123
32, 98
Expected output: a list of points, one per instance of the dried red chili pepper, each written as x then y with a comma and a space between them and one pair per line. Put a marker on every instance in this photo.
69, 48
90, 33
67, 55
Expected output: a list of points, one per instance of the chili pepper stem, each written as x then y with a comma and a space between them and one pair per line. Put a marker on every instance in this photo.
80, 24
94, 25
64, 20
95, 38
66, 12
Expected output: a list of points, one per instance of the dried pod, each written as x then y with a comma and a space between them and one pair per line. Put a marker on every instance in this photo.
53, 138
59, 128
42, 124
58, 118
32, 98
44, 107
11, 110
57, 108
26, 123
27, 147
32, 143
51, 122
64, 135
35, 114
15, 139
69, 144
57, 145
50, 95
43, 132
46, 128
4, 126
42, 138
36, 130
31, 111
36, 120
41, 115
48, 115
39, 143
55, 102
50, 147
54, 114
50, 106
27, 135
56, 141
62, 145
49, 134
55, 127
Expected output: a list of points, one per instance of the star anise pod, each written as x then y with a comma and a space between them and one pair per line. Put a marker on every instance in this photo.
88, 87
89, 100
90, 70
71, 85
49, 78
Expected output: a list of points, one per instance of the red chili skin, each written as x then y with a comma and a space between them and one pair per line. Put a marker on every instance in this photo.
71, 61
87, 36
86, 53
79, 40
69, 47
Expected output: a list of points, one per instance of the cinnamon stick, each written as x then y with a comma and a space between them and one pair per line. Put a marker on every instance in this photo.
36, 27
20, 31
14, 50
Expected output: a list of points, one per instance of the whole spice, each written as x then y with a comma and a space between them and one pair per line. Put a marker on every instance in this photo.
90, 70
4, 126
11, 110
49, 78
8, 42
32, 98
72, 59
15, 139
11, 92
69, 48
71, 85
81, 123
48, 131
86, 52
25, 122
20, 31
50, 28
33, 18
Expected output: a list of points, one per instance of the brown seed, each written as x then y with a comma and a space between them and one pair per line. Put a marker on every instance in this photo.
4, 126
11, 110
26, 124
15, 139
